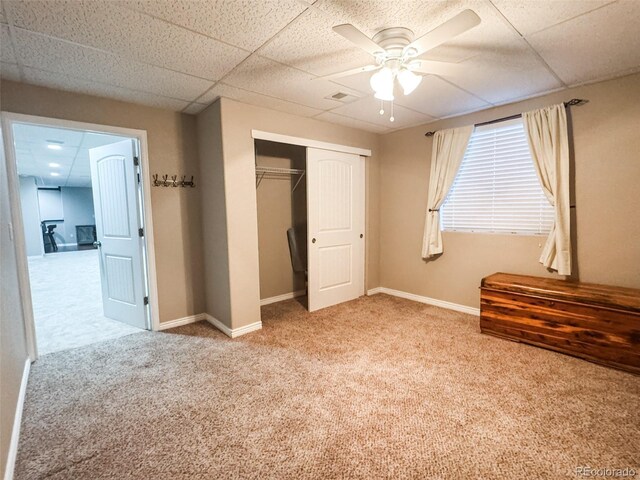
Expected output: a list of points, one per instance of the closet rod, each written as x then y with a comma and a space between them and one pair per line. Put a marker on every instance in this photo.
570, 103
262, 171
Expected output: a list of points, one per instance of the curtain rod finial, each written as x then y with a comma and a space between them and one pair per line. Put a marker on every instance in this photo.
429, 134
575, 101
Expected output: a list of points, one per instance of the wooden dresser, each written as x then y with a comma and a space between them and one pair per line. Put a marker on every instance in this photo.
594, 322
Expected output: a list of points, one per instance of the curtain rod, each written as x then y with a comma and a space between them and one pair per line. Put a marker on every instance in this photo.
570, 103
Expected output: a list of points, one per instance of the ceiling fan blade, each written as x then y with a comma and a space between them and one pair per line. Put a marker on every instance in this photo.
354, 35
353, 71
462, 22
430, 67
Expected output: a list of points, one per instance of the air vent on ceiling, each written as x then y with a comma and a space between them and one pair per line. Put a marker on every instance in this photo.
342, 97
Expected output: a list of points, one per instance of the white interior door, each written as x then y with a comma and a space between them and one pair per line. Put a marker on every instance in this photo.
335, 211
116, 204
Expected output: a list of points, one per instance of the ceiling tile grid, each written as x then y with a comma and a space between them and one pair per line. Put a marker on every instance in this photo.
183, 54
106, 26
246, 24
247, 96
310, 45
589, 51
261, 75
47, 53
367, 110
89, 87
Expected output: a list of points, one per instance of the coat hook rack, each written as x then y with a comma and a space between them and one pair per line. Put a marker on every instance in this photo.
165, 181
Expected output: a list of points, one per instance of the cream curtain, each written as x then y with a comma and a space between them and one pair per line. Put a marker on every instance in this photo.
447, 153
548, 141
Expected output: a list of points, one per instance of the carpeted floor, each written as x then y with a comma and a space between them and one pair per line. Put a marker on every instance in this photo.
67, 302
375, 388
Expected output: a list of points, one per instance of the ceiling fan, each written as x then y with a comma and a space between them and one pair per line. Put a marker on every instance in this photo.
397, 54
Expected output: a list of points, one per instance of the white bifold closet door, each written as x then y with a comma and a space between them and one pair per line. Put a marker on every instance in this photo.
116, 205
335, 219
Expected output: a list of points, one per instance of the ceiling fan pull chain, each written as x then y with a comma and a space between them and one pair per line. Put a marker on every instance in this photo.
392, 118
381, 107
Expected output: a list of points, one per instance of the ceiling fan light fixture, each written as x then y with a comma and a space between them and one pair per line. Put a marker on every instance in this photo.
408, 80
382, 80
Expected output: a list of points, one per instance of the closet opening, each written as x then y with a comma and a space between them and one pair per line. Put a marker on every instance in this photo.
281, 194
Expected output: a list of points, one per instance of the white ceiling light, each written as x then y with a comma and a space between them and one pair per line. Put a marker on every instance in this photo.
54, 174
408, 80
382, 80
53, 146
54, 165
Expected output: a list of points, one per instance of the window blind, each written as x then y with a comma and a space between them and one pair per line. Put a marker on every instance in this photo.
496, 189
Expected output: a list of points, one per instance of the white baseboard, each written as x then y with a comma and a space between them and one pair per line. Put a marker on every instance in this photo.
284, 296
235, 332
17, 420
178, 322
430, 301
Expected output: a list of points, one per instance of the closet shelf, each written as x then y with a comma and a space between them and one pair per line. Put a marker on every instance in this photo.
277, 171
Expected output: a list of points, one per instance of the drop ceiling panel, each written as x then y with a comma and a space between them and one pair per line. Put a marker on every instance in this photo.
234, 93
6, 47
243, 23
261, 75
351, 122
69, 59
529, 17
9, 71
366, 109
66, 82
309, 44
500, 78
437, 98
593, 46
35, 134
106, 26
493, 35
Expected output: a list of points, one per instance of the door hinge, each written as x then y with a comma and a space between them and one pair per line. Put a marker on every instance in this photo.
136, 161
141, 232
146, 300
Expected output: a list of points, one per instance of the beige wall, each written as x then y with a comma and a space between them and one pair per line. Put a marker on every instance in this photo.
214, 215
606, 222
238, 120
13, 347
172, 150
278, 210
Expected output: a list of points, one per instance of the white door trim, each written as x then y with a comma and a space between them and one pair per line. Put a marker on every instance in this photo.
8, 119
307, 142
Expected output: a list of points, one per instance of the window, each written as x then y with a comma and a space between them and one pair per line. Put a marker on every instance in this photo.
496, 189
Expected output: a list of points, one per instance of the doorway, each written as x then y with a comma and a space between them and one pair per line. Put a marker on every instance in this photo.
82, 214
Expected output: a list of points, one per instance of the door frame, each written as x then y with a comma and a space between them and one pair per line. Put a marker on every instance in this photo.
8, 119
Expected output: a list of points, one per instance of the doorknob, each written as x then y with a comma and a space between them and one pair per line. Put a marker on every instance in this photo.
313, 240
97, 244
